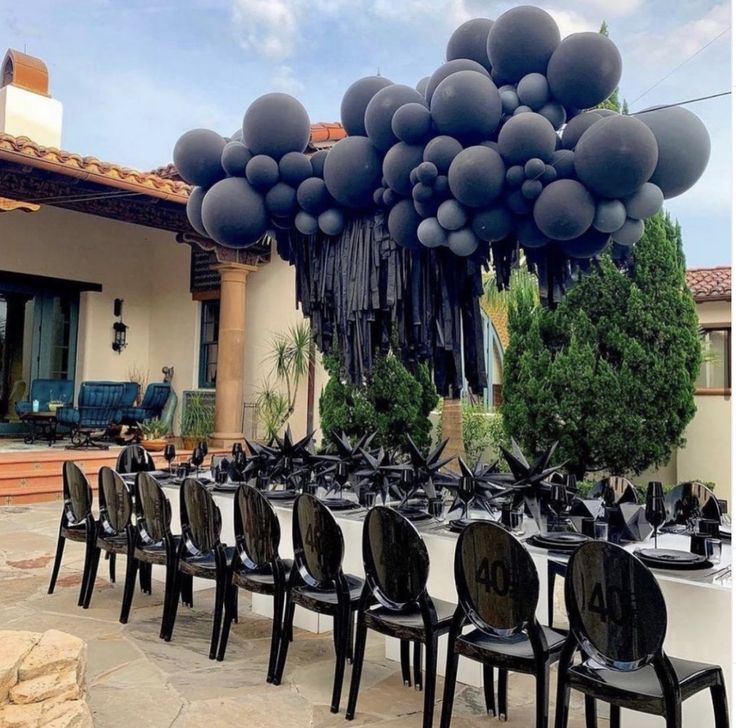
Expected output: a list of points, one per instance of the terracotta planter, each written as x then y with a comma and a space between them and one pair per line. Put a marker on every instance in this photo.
156, 445
189, 443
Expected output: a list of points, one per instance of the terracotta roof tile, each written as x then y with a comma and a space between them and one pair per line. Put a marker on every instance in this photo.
8, 205
710, 284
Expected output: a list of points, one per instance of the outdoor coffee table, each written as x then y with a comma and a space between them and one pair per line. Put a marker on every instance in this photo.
42, 424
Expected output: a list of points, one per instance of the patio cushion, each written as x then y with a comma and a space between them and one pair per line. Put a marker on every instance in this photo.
46, 390
152, 405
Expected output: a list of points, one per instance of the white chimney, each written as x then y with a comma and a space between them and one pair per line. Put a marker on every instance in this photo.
26, 108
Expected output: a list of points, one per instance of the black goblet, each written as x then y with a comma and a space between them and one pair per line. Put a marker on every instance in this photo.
655, 511
203, 447
465, 492
197, 458
558, 500
170, 453
237, 447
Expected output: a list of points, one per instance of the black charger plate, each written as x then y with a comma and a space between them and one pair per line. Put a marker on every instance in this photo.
672, 559
564, 542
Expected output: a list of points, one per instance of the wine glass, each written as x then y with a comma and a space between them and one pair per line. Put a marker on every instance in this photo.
203, 447
197, 458
169, 453
558, 500
655, 511
237, 447
465, 492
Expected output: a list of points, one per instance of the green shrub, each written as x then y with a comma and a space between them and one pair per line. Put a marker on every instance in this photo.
483, 434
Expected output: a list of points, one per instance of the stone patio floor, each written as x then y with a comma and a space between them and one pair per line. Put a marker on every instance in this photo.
134, 678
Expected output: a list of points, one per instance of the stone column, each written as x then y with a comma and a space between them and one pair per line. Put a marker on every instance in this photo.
230, 355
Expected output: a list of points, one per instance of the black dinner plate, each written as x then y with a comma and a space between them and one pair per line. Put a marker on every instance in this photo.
225, 487
280, 494
564, 542
340, 504
415, 514
672, 559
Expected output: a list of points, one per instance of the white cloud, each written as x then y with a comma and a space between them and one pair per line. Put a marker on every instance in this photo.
270, 28
283, 79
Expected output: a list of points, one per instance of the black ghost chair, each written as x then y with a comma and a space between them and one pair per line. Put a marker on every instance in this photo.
201, 553
318, 583
498, 590
154, 543
618, 621
395, 601
115, 531
134, 459
77, 523
256, 565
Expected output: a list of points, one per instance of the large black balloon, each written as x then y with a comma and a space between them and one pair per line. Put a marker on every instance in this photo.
235, 156
234, 214
564, 210
684, 148
492, 224
194, 210
353, 171
584, 70
589, 244
466, 105
526, 136
380, 113
616, 156
355, 101
262, 172
447, 69
294, 168
470, 40
275, 124
281, 200
398, 163
312, 195
412, 123
198, 157
522, 41
403, 221
441, 151
476, 175
576, 127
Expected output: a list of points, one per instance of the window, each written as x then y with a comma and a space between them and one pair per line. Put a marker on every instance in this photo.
209, 335
715, 371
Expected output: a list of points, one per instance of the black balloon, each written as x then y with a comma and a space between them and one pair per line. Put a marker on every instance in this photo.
531, 189
629, 233
645, 202
521, 41
564, 210
398, 164
422, 193
353, 171
412, 123
529, 235
684, 148
389, 198
262, 172
312, 195
515, 176
589, 244
422, 85
584, 70
534, 168
462, 242
305, 223
380, 113
403, 221
235, 156
355, 101
452, 215
554, 113
509, 99
466, 105
517, 203
610, 215
493, 224
317, 160
233, 213
426, 209
427, 173
431, 233
470, 40
441, 151
275, 124
194, 210
441, 186
331, 222
476, 175
533, 90
576, 127
522, 109
198, 157
294, 168
447, 69
526, 136
563, 161
237, 135
550, 174
616, 156
281, 200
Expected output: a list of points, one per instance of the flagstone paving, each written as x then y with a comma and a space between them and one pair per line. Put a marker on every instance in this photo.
134, 678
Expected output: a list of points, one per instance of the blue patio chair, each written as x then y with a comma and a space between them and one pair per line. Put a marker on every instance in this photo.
45, 391
97, 406
151, 407
130, 393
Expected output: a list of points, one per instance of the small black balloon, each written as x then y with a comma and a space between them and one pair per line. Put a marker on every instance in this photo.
534, 168
589, 244
398, 164
262, 172
629, 233
305, 223
412, 123
533, 90
447, 69
194, 210
275, 124
422, 85
353, 171
515, 176
198, 157
389, 198
531, 189
235, 156
564, 210
610, 215
281, 200
380, 113
576, 127
477, 176
331, 222
493, 224
462, 242
554, 113
426, 209
355, 102
294, 168
431, 234
526, 136
378, 196
441, 185
550, 174
441, 151
645, 202
529, 235
521, 41
522, 109
403, 221
509, 99
312, 195
317, 160
233, 213
422, 193
563, 161
584, 70
470, 40
517, 203
427, 173
452, 215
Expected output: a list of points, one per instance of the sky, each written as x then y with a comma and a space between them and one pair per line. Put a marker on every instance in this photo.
135, 74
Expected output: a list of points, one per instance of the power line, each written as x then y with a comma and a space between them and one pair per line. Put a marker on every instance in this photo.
682, 103
678, 67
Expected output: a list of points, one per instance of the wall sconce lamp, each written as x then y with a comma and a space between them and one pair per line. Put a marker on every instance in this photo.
119, 328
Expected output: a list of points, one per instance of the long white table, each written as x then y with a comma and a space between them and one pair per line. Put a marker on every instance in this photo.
698, 603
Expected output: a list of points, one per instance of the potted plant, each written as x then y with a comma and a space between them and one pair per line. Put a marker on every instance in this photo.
154, 434
197, 421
